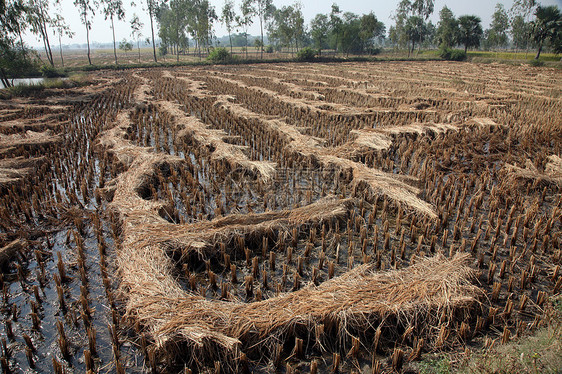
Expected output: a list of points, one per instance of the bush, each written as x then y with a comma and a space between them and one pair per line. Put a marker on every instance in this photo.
219, 55
536, 63
306, 54
268, 49
452, 54
49, 72
373, 51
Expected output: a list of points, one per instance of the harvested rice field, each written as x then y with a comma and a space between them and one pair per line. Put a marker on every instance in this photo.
289, 218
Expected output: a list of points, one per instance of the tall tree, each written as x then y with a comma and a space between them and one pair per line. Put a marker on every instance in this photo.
523, 9
371, 29
14, 12
520, 32
263, 9
174, 21
447, 28
423, 9
136, 27
336, 24
416, 31
152, 7
39, 20
497, 36
61, 28
547, 27
470, 31
86, 10
228, 17
297, 23
350, 30
287, 27
244, 20
113, 9
14, 60
319, 27
397, 33
205, 16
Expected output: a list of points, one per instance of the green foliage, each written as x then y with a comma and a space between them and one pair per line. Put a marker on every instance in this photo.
497, 35
548, 28
306, 54
470, 31
16, 62
49, 72
373, 51
319, 31
125, 45
536, 63
435, 365
269, 48
540, 352
287, 26
32, 88
352, 33
447, 29
220, 56
520, 32
452, 54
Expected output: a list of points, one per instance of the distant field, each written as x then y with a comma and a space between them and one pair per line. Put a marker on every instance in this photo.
504, 55
102, 57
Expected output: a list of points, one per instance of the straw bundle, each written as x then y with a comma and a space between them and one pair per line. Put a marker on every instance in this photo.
141, 92
427, 293
204, 236
213, 140
381, 138
15, 169
113, 141
552, 174
30, 139
8, 251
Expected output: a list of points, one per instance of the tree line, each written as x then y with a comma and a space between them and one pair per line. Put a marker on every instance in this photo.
179, 24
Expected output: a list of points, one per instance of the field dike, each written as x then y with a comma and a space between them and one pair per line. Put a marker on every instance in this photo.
431, 292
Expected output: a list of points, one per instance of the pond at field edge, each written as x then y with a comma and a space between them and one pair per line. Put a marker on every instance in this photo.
29, 81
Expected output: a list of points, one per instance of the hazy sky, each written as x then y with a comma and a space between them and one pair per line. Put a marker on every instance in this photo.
101, 31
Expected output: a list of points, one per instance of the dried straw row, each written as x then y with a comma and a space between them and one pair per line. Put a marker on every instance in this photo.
552, 174
197, 131
376, 182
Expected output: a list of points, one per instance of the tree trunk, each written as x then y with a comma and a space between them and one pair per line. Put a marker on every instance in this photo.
21, 41
4, 79
45, 36
48, 45
539, 52
465, 48
261, 29
88, 38
230, 38
152, 30
60, 49
138, 47
44, 39
114, 47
